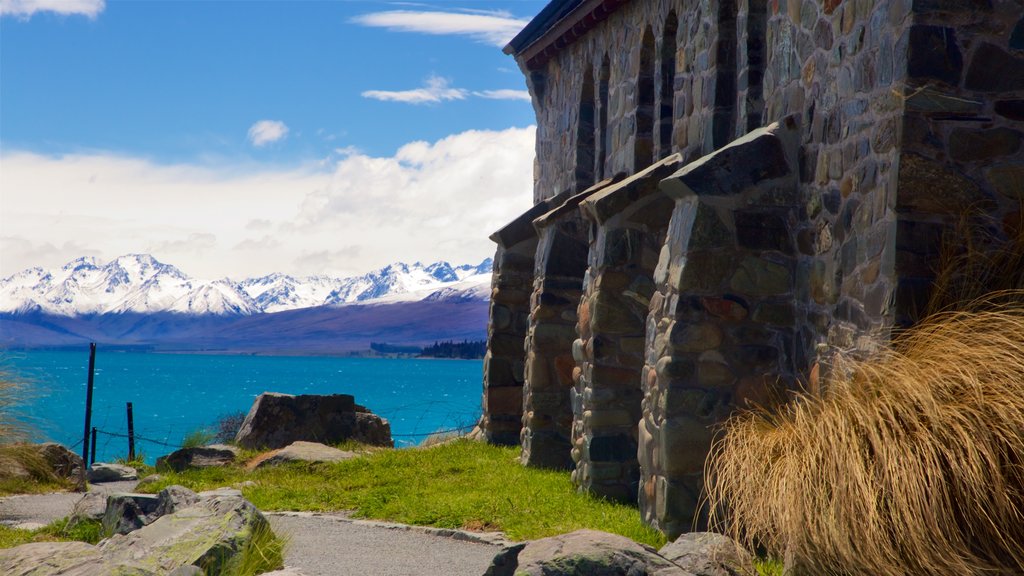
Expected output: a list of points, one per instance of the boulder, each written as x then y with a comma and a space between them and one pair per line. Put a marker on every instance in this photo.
151, 479
198, 457
277, 420
200, 535
127, 512
306, 452
205, 534
709, 554
103, 472
582, 553
64, 462
92, 506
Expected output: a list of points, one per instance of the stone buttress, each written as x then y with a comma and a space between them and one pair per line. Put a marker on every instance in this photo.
511, 286
560, 264
629, 222
721, 323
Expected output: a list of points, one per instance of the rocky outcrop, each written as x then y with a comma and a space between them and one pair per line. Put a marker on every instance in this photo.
198, 457
103, 472
195, 530
593, 553
306, 452
709, 554
277, 420
30, 460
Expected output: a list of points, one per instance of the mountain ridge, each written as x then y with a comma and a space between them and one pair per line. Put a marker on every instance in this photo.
139, 283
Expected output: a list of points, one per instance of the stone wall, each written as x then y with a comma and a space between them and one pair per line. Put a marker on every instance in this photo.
896, 119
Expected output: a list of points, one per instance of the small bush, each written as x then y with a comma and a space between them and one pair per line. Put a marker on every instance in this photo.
227, 427
263, 552
911, 462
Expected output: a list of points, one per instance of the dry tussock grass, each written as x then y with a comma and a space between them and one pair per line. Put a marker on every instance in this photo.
912, 462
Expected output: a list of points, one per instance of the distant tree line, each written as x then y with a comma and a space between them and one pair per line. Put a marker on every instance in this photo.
468, 349
383, 348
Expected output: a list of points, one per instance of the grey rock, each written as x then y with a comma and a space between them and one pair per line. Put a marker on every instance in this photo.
92, 505
582, 553
63, 558
277, 420
64, 462
206, 534
151, 479
199, 457
709, 554
104, 472
127, 512
174, 498
186, 571
307, 452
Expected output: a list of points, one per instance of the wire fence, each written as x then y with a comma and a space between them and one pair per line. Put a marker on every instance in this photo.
411, 423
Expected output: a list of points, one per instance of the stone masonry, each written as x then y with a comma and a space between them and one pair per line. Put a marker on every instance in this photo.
827, 150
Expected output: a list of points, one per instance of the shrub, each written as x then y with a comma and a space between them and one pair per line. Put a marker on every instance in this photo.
227, 427
911, 462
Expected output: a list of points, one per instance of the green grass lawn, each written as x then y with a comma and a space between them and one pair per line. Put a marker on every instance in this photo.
460, 484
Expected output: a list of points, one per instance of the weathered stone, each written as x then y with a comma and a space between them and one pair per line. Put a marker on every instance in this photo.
211, 456
931, 187
709, 554
127, 512
759, 277
63, 462
54, 558
995, 70
968, 145
1008, 180
616, 448
684, 443
104, 472
757, 230
276, 420
306, 452
582, 553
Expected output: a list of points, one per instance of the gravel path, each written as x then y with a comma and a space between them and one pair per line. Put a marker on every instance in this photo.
333, 545
36, 510
318, 544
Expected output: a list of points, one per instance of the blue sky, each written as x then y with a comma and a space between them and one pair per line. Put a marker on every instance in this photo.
234, 138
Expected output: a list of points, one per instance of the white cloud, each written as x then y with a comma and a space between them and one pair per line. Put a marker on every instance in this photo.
495, 28
26, 8
436, 90
267, 131
428, 201
504, 94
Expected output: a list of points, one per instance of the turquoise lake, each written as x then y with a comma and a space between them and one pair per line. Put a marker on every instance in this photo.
175, 394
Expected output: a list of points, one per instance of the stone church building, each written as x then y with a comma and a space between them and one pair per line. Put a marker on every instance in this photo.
724, 191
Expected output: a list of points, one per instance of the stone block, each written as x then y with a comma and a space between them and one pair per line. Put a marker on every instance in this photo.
684, 443
616, 448
934, 54
993, 69
761, 277
503, 400
687, 337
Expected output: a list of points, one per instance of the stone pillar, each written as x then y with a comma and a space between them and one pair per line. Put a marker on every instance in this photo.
511, 285
721, 326
629, 222
561, 262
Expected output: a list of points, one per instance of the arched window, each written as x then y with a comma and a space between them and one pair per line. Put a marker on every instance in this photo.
724, 122
757, 24
668, 80
585, 133
643, 147
602, 111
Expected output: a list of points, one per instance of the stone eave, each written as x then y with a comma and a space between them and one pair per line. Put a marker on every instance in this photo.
548, 33
613, 199
572, 203
521, 227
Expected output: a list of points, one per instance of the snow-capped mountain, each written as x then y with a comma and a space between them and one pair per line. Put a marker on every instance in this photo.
141, 284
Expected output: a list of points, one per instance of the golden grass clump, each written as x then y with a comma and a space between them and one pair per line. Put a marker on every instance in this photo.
911, 462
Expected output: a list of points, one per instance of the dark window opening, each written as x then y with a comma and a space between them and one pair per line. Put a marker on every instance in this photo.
643, 147
603, 144
585, 133
724, 122
668, 80
757, 24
